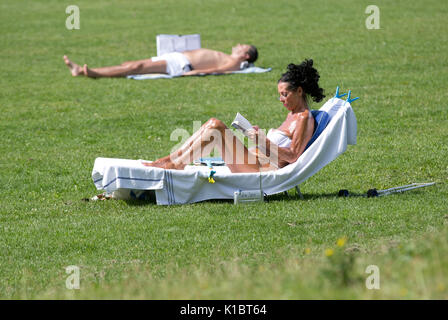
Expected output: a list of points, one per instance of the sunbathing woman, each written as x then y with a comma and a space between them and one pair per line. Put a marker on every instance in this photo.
277, 149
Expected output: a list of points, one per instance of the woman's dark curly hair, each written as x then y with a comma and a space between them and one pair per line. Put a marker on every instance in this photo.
305, 76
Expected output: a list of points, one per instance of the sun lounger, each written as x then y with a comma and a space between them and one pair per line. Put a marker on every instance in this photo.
126, 177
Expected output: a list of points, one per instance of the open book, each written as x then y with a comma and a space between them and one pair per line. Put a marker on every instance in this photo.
167, 43
241, 123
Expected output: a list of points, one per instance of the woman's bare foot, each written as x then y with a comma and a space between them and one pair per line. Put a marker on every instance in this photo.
75, 69
164, 163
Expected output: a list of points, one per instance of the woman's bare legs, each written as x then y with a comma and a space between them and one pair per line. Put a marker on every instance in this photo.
125, 69
213, 133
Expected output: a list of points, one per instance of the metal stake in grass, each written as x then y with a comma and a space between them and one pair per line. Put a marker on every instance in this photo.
371, 193
412, 186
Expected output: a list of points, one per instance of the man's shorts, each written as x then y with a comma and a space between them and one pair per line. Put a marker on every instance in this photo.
176, 63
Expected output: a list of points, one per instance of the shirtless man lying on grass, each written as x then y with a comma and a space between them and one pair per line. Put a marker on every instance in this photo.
187, 63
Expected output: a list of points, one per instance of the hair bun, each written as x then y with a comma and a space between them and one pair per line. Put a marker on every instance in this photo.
309, 63
293, 67
304, 75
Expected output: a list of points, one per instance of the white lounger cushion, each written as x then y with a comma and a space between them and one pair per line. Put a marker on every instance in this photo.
191, 185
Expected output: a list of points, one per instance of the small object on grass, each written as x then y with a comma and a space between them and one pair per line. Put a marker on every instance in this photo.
101, 196
372, 193
343, 193
248, 196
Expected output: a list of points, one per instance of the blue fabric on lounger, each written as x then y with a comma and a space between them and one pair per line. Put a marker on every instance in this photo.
321, 119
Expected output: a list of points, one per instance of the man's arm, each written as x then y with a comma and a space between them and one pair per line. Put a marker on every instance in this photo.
234, 66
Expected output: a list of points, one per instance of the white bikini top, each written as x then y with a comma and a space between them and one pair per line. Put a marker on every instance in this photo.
279, 138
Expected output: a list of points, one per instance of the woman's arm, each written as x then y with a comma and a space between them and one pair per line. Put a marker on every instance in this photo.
301, 135
283, 156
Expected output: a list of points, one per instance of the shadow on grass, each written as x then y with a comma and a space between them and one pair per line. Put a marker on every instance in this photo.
305, 197
281, 197
139, 203
150, 199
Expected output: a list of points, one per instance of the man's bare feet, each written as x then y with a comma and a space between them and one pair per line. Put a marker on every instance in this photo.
75, 69
88, 72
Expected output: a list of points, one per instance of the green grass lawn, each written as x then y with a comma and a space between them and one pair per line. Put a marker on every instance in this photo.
53, 126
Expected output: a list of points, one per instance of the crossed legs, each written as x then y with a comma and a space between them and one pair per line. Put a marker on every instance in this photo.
125, 69
212, 134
